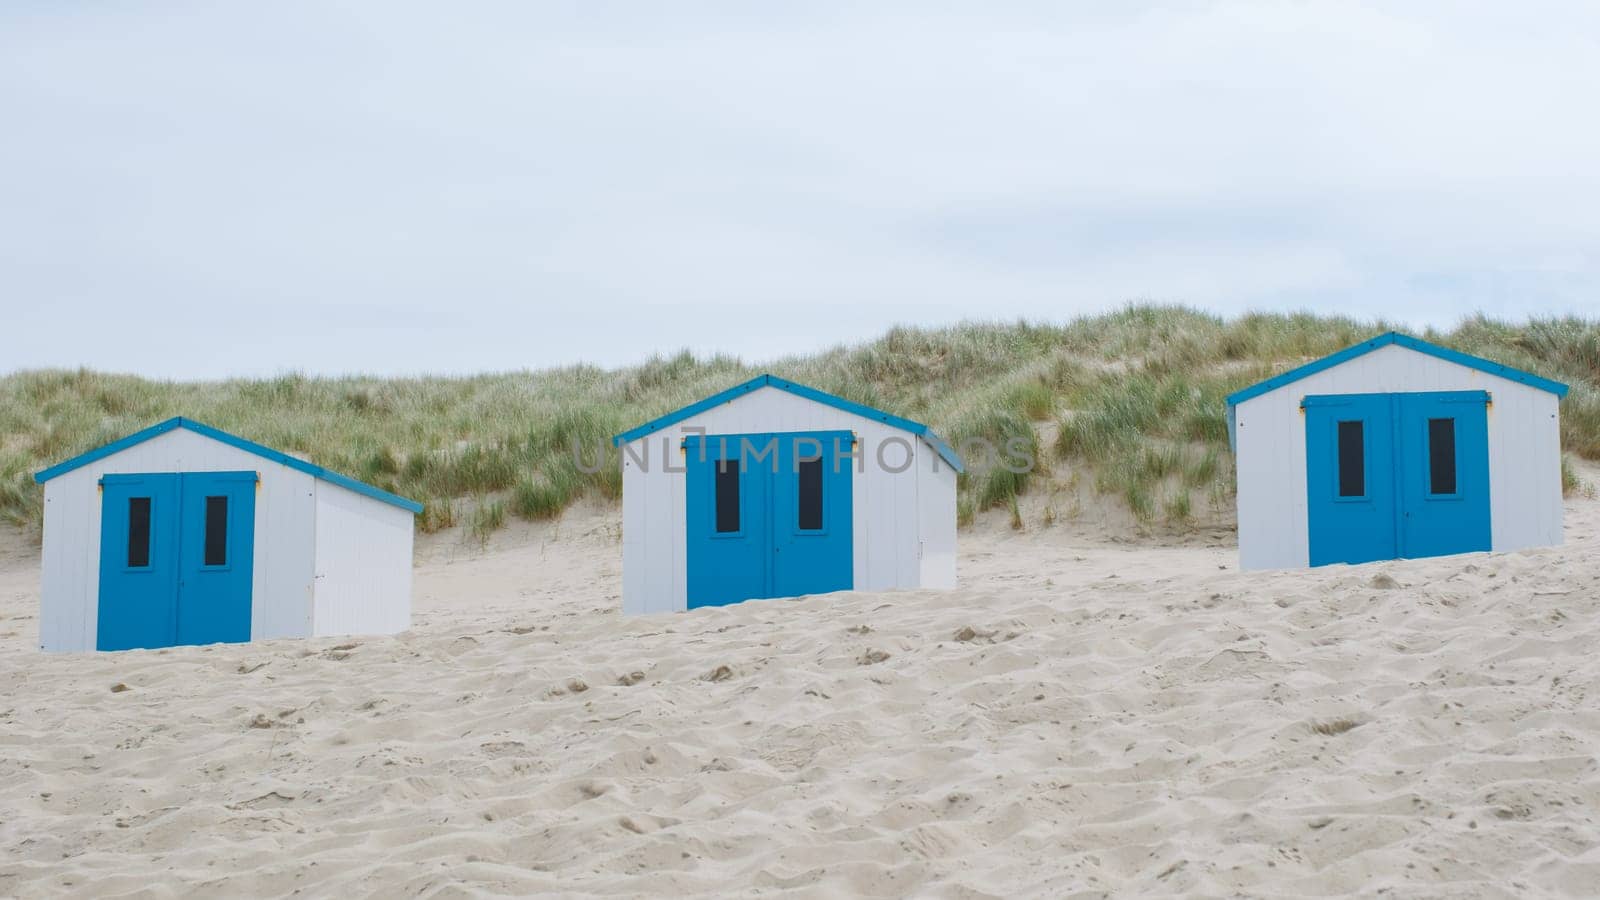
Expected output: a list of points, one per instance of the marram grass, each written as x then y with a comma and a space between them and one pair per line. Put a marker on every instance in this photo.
1135, 398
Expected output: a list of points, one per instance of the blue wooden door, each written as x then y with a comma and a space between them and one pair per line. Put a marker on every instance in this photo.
177, 556
1444, 473
138, 562
216, 558
767, 515
726, 513
1396, 476
1350, 481
812, 514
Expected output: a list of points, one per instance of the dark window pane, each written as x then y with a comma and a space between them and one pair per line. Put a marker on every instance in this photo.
138, 532
1352, 460
216, 531
1442, 456
727, 496
811, 494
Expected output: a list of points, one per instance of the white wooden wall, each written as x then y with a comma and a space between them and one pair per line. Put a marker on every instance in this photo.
936, 496
888, 517
1524, 453
70, 566
363, 564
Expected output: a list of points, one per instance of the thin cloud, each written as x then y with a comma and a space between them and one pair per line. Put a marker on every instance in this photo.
383, 187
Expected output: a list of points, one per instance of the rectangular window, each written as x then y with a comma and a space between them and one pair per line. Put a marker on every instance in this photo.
1352, 460
1442, 456
810, 503
216, 531
138, 532
727, 487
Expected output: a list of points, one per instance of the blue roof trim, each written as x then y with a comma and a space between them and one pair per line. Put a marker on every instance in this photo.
693, 409
138, 437
1384, 340
944, 450
1410, 343
268, 453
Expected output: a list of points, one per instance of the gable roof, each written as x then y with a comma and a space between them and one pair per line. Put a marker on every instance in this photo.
1384, 340
215, 434
1410, 343
944, 450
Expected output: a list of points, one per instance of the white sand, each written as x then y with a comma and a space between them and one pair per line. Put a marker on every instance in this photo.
1080, 717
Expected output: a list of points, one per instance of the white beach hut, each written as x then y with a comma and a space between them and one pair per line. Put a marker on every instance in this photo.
183, 534
775, 489
1395, 448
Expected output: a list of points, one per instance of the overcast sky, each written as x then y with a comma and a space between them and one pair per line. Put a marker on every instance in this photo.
231, 188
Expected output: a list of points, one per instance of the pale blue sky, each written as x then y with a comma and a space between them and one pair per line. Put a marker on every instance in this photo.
217, 189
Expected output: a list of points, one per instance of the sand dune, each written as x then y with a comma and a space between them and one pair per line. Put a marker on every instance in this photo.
1080, 718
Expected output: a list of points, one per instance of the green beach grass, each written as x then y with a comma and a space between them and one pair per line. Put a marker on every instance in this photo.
1135, 398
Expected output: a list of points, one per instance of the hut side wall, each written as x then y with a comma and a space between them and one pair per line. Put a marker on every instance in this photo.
363, 564
936, 504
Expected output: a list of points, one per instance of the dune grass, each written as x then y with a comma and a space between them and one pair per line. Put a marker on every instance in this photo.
1135, 395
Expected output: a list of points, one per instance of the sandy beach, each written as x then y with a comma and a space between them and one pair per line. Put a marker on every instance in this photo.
1071, 333
1083, 717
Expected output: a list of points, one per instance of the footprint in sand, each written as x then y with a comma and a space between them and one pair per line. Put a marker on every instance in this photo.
966, 634
1335, 727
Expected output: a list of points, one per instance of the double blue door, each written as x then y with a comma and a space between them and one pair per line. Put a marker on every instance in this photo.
177, 553
1392, 476
768, 515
